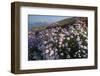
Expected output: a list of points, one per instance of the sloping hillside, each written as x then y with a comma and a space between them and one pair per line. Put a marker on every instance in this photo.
65, 39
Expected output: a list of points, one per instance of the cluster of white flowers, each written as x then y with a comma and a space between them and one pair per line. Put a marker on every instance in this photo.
67, 42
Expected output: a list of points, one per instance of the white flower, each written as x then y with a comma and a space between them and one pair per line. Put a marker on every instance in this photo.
51, 52
85, 47
78, 38
47, 46
46, 34
51, 39
82, 30
55, 37
62, 54
61, 39
84, 35
61, 35
72, 31
86, 40
56, 40
56, 49
62, 30
50, 48
84, 55
60, 42
67, 33
66, 44
68, 56
68, 38
81, 46
79, 55
79, 50
72, 36
62, 45
52, 33
45, 42
69, 49
77, 34
83, 51
85, 32
79, 42
76, 53
47, 51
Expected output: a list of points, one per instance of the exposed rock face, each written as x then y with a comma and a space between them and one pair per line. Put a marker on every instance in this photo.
66, 41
